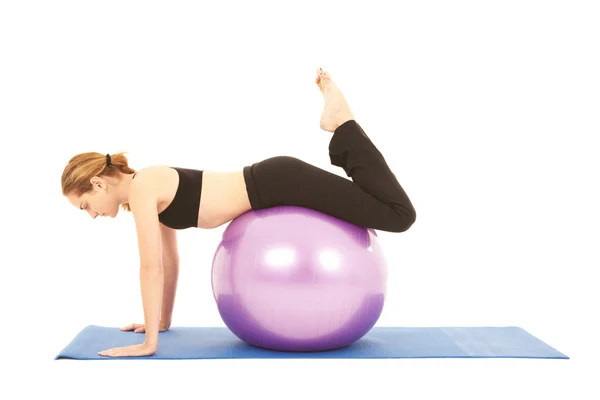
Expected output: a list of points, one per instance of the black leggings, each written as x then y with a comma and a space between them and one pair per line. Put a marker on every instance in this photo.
373, 199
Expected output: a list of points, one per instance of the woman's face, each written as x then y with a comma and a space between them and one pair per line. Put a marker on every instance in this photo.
99, 201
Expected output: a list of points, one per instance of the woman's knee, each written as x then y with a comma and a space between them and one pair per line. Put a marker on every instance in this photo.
403, 220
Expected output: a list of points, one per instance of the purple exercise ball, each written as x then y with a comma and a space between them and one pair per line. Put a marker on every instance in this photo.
290, 278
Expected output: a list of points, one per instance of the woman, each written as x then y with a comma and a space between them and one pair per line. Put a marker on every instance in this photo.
164, 199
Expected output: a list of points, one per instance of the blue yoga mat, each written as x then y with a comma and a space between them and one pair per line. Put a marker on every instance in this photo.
381, 342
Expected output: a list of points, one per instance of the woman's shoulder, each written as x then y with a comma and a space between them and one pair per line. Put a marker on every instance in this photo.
158, 182
154, 176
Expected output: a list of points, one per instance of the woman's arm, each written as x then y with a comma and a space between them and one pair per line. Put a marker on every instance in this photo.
143, 202
170, 260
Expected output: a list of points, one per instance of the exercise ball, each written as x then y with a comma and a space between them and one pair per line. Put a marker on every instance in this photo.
290, 278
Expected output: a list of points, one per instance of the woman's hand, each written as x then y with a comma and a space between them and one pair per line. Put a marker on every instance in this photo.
141, 328
137, 350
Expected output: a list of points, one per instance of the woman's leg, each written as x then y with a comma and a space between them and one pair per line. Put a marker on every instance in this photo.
374, 197
351, 149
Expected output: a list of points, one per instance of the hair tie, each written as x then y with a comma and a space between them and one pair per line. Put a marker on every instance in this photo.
108, 161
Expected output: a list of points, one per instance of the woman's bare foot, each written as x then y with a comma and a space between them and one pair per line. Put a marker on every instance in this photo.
336, 110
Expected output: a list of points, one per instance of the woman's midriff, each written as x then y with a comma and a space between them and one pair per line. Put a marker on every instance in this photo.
223, 198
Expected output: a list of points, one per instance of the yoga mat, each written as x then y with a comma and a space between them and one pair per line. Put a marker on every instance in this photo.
180, 343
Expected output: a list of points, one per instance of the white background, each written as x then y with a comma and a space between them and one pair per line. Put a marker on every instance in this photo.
486, 111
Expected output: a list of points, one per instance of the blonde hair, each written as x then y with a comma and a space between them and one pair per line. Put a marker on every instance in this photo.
84, 166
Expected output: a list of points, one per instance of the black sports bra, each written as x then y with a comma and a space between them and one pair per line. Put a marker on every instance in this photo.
182, 212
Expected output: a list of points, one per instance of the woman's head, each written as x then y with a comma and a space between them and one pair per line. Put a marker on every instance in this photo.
90, 181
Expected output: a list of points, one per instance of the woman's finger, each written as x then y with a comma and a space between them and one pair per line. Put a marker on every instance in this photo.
131, 327
116, 352
141, 329
108, 352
